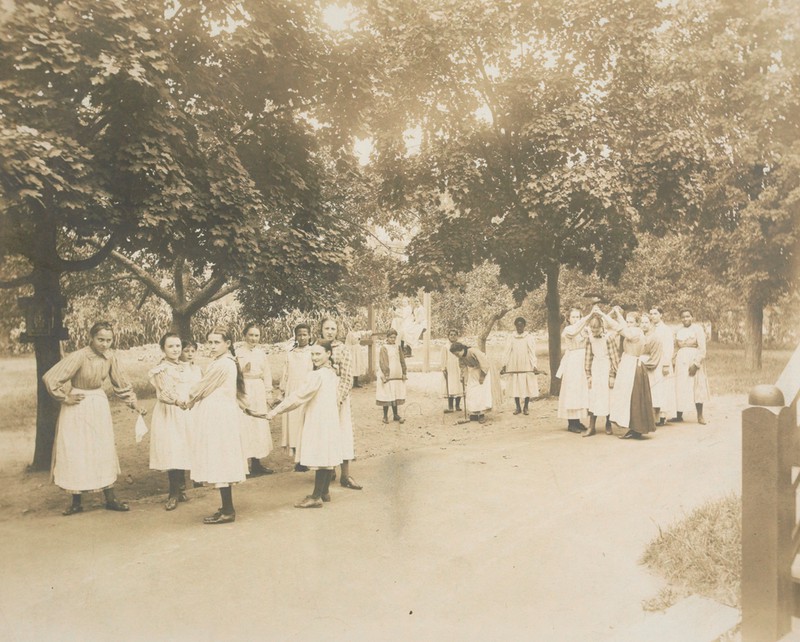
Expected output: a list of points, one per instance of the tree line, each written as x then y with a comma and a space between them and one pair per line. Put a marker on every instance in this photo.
193, 151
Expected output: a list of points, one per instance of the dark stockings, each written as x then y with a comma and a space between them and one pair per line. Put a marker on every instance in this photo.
525, 405
76, 500
394, 410
226, 494
176, 481
517, 404
322, 482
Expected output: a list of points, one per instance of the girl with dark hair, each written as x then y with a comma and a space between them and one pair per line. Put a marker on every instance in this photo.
600, 364
691, 383
320, 446
85, 457
298, 366
169, 445
453, 386
519, 362
631, 401
479, 395
217, 448
255, 367
390, 389
342, 365
187, 356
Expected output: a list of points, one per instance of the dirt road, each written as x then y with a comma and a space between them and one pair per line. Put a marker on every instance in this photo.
529, 533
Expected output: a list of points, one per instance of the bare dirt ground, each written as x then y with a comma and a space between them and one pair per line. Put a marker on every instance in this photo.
513, 530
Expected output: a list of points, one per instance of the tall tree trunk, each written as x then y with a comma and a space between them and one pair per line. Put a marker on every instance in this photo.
488, 326
46, 296
181, 324
753, 341
552, 302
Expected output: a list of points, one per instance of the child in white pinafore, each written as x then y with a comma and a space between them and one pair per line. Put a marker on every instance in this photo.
85, 457
519, 363
298, 365
573, 398
217, 444
452, 386
390, 389
320, 446
169, 445
257, 373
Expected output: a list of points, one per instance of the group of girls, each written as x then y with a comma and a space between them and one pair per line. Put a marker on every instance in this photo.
210, 423
631, 370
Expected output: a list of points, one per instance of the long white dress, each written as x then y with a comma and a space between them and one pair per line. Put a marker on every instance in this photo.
662, 386
258, 386
631, 402
519, 360
393, 367
84, 450
604, 360
415, 324
298, 366
452, 385
358, 353
691, 350
478, 396
573, 398
169, 443
321, 437
217, 443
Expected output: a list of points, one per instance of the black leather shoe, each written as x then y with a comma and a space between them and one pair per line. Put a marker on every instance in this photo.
349, 482
309, 502
117, 505
220, 518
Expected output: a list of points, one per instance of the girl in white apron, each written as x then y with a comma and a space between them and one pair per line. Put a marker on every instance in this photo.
390, 388
85, 456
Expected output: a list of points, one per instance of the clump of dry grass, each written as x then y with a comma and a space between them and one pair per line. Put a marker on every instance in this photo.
702, 552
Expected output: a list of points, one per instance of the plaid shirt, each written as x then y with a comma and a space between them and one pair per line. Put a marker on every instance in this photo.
343, 364
613, 356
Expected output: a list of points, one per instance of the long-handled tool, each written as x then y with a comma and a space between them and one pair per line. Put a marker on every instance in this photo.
465, 420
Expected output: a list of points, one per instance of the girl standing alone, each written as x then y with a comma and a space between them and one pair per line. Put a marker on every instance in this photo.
217, 448
84, 451
390, 389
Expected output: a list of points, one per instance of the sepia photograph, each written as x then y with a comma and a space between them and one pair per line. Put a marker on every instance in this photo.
399, 320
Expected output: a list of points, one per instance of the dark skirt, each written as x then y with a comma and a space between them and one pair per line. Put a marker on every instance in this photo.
642, 416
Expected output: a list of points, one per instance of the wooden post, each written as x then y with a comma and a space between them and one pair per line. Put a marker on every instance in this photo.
371, 350
768, 515
426, 339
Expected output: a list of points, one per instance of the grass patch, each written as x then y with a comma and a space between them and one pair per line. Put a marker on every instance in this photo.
18, 393
702, 552
727, 374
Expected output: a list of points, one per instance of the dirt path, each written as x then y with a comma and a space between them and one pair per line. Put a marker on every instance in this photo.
515, 530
